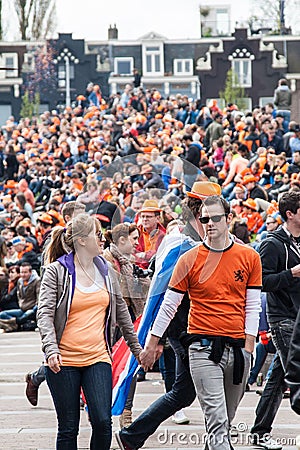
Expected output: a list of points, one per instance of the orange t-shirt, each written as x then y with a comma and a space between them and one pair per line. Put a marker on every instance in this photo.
216, 282
83, 341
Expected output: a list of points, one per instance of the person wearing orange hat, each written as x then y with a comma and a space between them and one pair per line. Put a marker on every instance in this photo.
182, 393
151, 231
44, 225
219, 276
254, 219
254, 190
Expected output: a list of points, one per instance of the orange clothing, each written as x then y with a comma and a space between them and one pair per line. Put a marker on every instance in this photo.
237, 165
83, 340
149, 244
254, 221
216, 283
282, 168
28, 248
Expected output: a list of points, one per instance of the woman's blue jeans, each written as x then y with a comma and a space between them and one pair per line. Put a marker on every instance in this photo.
96, 382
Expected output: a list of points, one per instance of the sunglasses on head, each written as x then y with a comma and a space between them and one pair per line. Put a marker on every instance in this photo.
100, 236
216, 218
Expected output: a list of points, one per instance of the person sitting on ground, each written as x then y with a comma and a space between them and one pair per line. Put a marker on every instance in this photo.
9, 296
28, 288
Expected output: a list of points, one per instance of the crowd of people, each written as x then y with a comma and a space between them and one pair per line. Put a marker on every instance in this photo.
90, 196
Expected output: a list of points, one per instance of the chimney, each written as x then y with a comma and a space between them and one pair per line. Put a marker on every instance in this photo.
112, 32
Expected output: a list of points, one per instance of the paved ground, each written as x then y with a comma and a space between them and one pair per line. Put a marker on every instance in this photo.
23, 427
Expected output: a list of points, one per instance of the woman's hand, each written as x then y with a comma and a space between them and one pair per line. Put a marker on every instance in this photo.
54, 362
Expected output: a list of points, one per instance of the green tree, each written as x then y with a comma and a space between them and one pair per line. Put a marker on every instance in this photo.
233, 92
27, 108
30, 107
36, 18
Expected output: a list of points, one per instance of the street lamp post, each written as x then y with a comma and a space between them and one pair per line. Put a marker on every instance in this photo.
66, 56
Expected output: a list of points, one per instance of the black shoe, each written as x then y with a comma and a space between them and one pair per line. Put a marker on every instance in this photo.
120, 441
141, 377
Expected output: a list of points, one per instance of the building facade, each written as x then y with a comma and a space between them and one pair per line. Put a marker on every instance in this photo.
196, 68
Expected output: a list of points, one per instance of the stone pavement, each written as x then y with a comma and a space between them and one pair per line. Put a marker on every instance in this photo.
23, 427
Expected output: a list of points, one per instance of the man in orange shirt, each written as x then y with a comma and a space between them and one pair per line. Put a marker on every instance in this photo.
223, 280
151, 233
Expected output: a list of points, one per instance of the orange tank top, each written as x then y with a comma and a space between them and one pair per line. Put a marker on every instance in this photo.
83, 341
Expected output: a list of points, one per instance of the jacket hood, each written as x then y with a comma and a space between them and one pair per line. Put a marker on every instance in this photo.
280, 235
33, 277
67, 261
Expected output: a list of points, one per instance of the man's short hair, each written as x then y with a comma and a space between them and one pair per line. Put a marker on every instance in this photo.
69, 208
216, 200
187, 137
290, 201
190, 208
26, 264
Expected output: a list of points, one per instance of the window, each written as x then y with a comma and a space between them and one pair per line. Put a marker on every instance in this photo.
264, 100
62, 74
242, 72
153, 59
123, 66
223, 26
10, 61
183, 67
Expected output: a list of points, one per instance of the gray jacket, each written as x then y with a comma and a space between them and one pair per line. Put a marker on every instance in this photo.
57, 289
283, 98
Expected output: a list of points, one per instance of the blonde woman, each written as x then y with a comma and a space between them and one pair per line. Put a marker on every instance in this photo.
80, 304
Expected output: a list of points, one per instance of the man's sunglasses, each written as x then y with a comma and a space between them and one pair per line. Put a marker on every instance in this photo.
206, 219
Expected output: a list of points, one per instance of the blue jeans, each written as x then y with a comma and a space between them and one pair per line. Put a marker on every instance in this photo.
96, 382
21, 316
182, 394
38, 377
273, 392
167, 367
261, 355
227, 190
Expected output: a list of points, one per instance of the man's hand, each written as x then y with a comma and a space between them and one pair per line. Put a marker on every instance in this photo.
296, 271
151, 353
54, 362
249, 343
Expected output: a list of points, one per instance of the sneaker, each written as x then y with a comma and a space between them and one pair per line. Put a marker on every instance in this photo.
267, 443
120, 441
180, 418
9, 325
125, 419
287, 393
31, 391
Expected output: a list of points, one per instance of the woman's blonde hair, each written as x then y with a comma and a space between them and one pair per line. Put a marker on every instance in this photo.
63, 239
